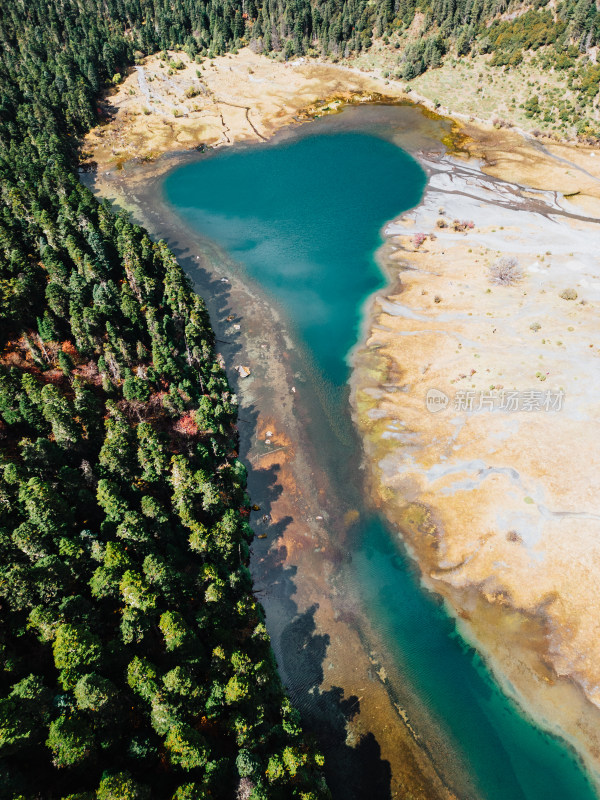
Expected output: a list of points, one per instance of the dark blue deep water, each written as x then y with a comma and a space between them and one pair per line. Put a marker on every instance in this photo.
303, 219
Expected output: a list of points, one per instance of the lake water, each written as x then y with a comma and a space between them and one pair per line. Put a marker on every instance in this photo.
303, 219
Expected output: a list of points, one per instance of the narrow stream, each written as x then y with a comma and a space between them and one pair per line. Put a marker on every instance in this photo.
301, 219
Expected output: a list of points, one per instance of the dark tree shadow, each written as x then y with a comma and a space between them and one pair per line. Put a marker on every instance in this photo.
353, 772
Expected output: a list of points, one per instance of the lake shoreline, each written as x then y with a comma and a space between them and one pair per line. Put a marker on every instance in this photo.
128, 185
303, 535
527, 668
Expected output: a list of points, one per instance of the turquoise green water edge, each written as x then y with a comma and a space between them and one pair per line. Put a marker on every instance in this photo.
303, 219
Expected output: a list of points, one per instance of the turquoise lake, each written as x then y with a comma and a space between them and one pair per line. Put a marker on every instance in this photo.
310, 248
303, 219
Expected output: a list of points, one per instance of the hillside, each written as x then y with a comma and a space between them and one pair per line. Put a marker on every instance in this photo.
528, 68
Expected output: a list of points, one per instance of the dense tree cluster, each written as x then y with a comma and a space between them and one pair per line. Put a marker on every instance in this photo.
135, 658
557, 37
491, 23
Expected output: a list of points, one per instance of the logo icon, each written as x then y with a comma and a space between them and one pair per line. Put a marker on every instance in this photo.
436, 400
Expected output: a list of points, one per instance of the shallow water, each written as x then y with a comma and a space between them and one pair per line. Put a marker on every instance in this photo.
302, 218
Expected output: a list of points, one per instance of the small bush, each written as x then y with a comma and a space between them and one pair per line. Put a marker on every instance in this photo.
418, 239
461, 225
506, 271
568, 294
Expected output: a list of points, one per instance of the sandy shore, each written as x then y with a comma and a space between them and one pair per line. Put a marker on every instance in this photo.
494, 484
241, 98
499, 509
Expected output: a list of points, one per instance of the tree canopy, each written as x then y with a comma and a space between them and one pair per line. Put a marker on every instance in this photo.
135, 658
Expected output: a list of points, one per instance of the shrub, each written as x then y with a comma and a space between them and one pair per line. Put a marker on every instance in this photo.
121, 786
418, 239
568, 294
506, 271
187, 425
70, 739
460, 225
186, 747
